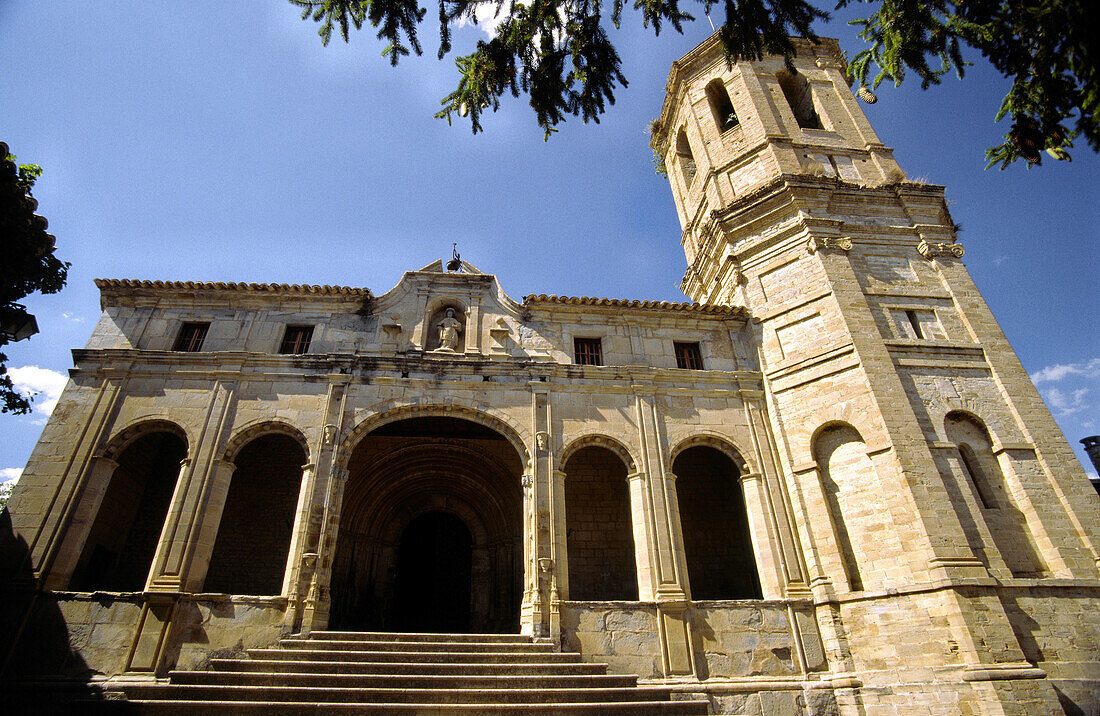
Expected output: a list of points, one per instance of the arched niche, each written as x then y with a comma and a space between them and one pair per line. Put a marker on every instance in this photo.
714, 522
119, 549
796, 89
257, 520
445, 327
981, 472
721, 108
685, 158
598, 529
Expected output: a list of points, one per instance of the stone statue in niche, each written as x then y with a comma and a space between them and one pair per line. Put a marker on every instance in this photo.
450, 332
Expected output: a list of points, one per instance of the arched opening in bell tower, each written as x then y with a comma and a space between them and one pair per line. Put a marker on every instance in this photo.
430, 526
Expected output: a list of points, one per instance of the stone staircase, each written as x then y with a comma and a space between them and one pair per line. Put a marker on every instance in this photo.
382, 673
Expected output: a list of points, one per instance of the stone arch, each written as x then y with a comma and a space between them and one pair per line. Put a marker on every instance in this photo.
126, 503
713, 515
978, 409
600, 440
685, 158
138, 427
864, 544
799, 95
600, 550
721, 107
977, 464
391, 412
256, 525
834, 416
403, 463
713, 440
264, 426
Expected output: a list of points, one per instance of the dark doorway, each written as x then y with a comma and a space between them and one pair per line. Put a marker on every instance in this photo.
433, 575
430, 531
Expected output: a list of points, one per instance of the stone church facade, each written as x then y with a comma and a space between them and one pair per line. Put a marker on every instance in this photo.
826, 485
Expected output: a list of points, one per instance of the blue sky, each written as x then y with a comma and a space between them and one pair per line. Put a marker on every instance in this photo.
219, 141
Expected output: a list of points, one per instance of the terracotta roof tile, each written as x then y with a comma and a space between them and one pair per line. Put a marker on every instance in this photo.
709, 309
105, 283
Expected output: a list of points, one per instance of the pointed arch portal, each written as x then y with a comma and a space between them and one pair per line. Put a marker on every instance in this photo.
430, 530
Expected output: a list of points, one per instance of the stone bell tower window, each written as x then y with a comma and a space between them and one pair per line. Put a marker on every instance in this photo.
796, 89
721, 106
684, 157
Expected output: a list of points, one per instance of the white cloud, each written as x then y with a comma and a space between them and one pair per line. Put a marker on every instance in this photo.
1064, 403
488, 19
45, 384
1054, 373
10, 474
70, 317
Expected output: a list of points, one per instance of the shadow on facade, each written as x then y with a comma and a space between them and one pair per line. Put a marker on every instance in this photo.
41, 672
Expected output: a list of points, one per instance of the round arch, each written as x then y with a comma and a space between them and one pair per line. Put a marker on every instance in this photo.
516, 435
408, 461
258, 428
718, 442
599, 440
139, 427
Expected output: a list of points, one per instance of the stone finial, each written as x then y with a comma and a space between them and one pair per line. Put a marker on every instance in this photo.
932, 249
821, 243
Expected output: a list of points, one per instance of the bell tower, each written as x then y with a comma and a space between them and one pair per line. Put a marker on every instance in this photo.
926, 474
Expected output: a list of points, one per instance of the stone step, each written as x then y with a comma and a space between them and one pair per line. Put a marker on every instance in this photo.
291, 694
417, 636
298, 666
451, 657
273, 708
413, 646
404, 681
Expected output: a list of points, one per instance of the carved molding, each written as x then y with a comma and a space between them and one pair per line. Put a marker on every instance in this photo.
932, 249
821, 243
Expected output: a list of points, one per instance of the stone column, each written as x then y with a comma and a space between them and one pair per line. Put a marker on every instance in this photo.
299, 535
666, 570
541, 568
304, 560
315, 610
101, 471
776, 505
764, 542
182, 527
46, 541
559, 586
473, 327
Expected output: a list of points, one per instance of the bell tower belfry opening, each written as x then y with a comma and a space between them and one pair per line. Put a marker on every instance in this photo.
429, 531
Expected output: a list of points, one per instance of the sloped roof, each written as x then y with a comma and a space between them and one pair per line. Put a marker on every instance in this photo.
708, 309
301, 289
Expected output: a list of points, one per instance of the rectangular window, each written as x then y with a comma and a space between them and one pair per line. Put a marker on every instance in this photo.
923, 325
587, 351
191, 337
688, 356
296, 339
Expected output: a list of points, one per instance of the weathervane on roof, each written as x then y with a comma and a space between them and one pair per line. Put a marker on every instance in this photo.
455, 264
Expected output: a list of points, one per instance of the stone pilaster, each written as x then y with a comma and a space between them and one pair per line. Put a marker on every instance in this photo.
191, 500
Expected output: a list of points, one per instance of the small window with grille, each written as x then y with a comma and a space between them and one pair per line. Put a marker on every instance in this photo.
688, 356
191, 337
587, 351
296, 339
